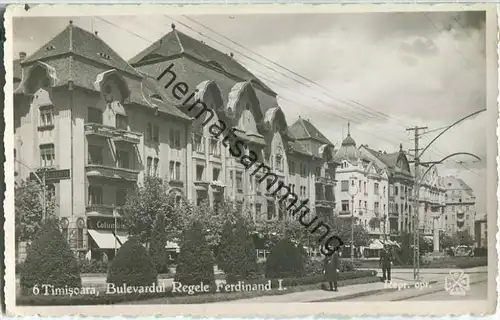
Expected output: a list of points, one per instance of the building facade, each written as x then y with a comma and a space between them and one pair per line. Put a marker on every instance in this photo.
97, 124
363, 189
460, 211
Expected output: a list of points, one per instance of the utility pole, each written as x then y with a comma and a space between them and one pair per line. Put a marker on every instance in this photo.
416, 206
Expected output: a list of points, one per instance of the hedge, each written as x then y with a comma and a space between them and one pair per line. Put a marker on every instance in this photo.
285, 260
132, 266
49, 261
292, 284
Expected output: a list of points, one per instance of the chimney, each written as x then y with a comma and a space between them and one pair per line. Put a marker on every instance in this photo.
231, 55
22, 55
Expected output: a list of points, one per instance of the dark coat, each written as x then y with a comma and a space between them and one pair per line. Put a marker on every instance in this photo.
331, 266
385, 259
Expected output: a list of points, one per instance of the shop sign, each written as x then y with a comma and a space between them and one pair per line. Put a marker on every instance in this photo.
52, 175
104, 224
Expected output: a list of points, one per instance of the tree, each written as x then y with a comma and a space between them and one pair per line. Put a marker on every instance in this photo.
28, 209
285, 260
341, 227
132, 266
463, 238
157, 251
141, 210
236, 254
49, 261
195, 263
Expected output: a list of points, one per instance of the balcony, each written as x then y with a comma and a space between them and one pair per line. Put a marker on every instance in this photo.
100, 209
125, 136
325, 180
99, 130
325, 203
108, 132
393, 215
96, 170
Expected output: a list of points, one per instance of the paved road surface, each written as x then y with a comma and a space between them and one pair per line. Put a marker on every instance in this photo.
478, 291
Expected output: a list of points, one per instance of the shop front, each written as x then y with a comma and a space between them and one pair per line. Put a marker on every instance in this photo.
105, 237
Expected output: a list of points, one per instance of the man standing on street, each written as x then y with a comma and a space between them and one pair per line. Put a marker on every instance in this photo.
386, 262
331, 270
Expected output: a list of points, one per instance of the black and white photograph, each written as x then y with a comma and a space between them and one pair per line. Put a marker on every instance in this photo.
221, 159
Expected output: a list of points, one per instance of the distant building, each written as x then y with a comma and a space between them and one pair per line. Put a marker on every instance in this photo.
460, 212
481, 232
400, 188
368, 180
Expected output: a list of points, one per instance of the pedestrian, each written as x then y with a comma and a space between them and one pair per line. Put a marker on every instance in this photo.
386, 263
331, 270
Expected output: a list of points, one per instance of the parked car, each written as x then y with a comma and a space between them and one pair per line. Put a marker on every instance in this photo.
464, 251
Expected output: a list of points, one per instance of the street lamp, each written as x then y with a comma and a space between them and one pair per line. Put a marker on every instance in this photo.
353, 191
418, 155
41, 181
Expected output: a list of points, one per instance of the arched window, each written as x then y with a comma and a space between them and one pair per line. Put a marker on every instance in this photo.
279, 162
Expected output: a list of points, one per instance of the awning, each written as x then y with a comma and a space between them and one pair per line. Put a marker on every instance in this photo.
172, 246
122, 236
104, 239
375, 245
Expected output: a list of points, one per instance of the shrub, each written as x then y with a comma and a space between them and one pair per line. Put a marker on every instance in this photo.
237, 255
50, 261
157, 250
132, 266
93, 266
313, 267
285, 260
346, 265
195, 262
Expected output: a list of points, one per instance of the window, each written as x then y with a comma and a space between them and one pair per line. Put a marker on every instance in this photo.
258, 209
344, 185
156, 162
279, 162
345, 205
149, 163
214, 147
51, 192
95, 195
270, 210
385, 190
47, 155
395, 191
175, 170
79, 235
94, 115
377, 207
318, 171
121, 197
121, 122
198, 144
200, 170
153, 133
215, 173
364, 187
291, 167
239, 182
376, 188
95, 154
257, 186
46, 116
303, 169
122, 159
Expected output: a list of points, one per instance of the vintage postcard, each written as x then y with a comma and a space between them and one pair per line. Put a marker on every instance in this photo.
251, 160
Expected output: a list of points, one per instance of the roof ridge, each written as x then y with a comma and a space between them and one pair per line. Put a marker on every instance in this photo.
179, 40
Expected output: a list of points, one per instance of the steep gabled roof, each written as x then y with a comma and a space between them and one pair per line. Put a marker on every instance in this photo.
304, 129
177, 43
74, 40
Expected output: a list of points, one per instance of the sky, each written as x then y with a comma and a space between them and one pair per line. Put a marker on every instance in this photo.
381, 72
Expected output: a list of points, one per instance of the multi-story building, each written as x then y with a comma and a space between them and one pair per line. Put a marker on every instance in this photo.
481, 232
460, 211
400, 185
98, 124
363, 189
432, 202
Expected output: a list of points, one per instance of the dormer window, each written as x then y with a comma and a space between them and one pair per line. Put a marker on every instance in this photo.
104, 55
50, 48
